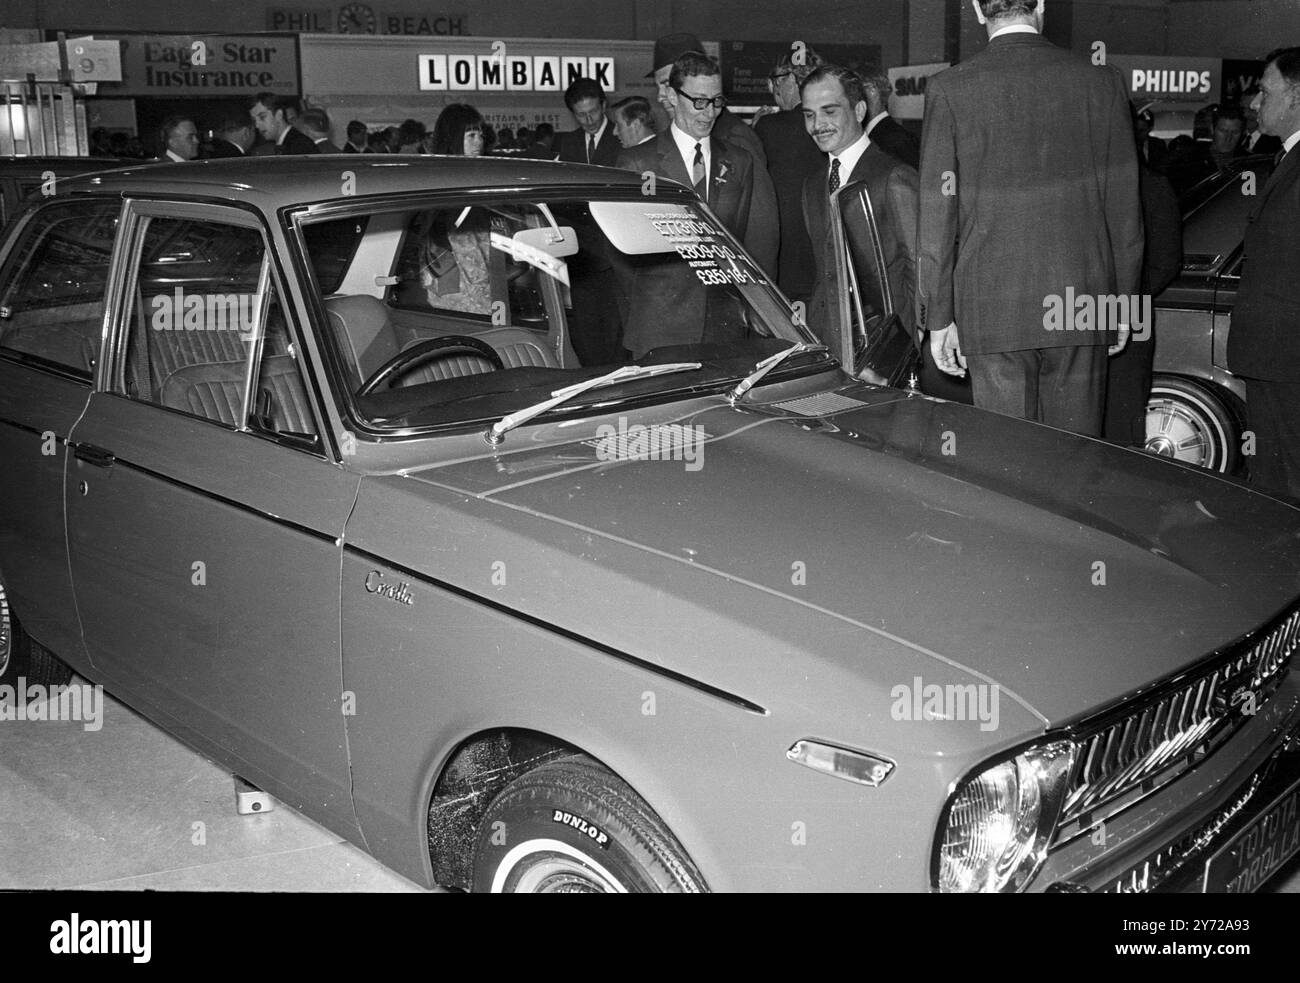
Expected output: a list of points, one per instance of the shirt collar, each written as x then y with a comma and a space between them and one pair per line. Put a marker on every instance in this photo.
850, 155
1013, 29
596, 137
871, 124
1291, 141
686, 147
172, 155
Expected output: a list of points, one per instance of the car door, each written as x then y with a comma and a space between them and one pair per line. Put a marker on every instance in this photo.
875, 336
204, 519
55, 277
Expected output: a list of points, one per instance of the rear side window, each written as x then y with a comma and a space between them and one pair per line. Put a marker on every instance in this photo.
55, 281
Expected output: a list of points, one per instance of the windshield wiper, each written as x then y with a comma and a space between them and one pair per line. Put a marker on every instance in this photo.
767, 365
494, 434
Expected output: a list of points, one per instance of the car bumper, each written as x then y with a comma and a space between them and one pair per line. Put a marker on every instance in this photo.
1225, 828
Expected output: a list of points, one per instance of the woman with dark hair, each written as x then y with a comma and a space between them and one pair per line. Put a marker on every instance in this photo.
458, 132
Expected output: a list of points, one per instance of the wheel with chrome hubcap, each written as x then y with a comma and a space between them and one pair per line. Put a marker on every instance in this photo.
1189, 422
572, 827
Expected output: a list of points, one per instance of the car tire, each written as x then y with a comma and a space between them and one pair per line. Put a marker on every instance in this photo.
20, 657
1190, 422
571, 826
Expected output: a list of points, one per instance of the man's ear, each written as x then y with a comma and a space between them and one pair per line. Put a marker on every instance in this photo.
979, 11
860, 111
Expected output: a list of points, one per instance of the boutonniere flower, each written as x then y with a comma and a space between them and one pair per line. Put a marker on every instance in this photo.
721, 176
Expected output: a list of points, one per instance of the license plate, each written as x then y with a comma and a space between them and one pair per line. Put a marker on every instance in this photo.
1253, 855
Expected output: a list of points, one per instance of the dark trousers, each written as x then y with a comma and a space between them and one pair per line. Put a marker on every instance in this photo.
1128, 387
1062, 387
1273, 414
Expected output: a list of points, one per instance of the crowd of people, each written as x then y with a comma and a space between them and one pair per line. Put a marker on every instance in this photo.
1035, 177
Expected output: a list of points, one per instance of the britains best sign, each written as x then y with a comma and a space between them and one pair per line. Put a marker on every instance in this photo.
501, 71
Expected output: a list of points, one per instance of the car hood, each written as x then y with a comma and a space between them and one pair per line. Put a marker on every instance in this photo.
1071, 572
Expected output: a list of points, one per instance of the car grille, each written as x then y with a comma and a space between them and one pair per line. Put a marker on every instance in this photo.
1160, 737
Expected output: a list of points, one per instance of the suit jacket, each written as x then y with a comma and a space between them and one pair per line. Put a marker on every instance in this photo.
1021, 200
297, 142
791, 157
892, 188
224, 148
1264, 342
666, 303
897, 141
572, 146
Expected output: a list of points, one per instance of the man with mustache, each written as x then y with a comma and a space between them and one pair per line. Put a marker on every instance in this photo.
834, 111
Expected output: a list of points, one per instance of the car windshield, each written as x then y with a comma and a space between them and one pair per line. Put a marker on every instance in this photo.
461, 311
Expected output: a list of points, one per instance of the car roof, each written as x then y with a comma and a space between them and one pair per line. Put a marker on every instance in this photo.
273, 182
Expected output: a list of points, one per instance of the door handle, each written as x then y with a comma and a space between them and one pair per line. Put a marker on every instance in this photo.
97, 456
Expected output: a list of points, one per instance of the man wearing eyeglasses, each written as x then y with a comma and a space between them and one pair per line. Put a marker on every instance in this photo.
736, 188
730, 127
726, 176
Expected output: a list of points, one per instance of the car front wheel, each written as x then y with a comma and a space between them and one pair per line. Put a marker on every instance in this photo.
572, 827
1190, 422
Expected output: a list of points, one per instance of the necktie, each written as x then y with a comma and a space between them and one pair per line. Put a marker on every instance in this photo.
590, 141
697, 174
833, 184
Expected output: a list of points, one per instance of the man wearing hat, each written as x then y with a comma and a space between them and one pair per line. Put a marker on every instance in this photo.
730, 127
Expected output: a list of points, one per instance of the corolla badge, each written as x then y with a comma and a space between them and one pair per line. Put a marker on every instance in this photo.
399, 592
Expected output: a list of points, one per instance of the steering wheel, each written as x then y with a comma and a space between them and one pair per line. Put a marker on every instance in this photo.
425, 351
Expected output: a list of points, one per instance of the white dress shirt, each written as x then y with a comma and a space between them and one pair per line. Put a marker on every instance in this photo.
849, 157
686, 147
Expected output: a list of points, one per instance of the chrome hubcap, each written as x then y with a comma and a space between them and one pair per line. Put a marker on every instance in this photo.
1176, 430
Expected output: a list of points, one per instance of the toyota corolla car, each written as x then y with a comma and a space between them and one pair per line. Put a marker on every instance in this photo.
302, 462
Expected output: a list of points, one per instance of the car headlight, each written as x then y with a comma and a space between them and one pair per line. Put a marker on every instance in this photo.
996, 827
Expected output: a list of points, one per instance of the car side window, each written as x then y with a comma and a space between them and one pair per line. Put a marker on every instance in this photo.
52, 306
279, 406
198, 297
867, 278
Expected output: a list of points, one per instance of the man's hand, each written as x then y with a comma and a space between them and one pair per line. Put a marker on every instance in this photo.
946, 349
1118, 347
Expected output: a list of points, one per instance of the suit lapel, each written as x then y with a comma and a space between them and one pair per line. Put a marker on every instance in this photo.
670, 159
1282, 174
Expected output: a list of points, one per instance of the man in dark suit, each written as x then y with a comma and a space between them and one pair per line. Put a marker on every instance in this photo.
1037, 211
234, 138
273, 116
316, 124
791, 157
834, 111
727, 177
1264, 344
357, 142
593, 142
882, 129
